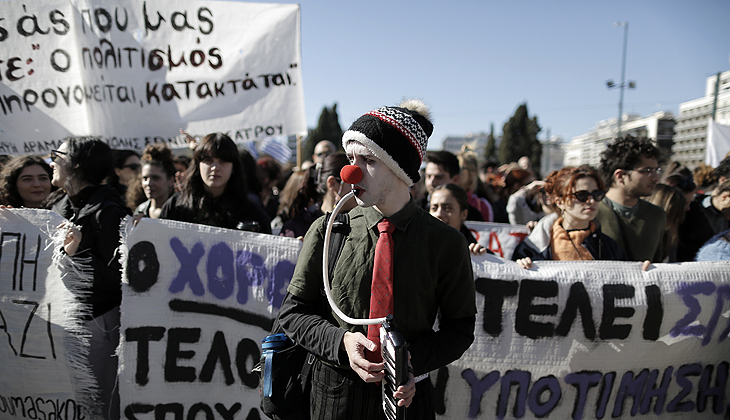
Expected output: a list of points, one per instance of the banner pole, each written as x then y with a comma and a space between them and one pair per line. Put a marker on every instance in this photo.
299, 151
717, 91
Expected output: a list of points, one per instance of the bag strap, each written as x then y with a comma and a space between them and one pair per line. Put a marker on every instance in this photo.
340, 231
308, 363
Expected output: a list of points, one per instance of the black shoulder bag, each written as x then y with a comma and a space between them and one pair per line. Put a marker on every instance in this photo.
285, 366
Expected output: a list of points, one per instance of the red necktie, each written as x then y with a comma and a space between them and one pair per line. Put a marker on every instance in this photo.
381, 290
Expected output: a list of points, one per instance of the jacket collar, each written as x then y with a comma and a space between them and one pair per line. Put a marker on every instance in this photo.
539, 238
400, 219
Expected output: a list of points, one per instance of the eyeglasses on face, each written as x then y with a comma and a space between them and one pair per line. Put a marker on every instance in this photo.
55, 154
132, 166
649, 171
584, 195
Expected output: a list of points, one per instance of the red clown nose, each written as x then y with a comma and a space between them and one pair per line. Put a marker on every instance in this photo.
351, 174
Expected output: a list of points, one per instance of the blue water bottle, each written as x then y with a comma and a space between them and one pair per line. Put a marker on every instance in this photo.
271, 345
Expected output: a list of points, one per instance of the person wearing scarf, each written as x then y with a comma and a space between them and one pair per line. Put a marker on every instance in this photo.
572, 234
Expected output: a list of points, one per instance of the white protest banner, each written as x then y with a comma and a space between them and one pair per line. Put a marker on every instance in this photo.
570, 340
196, 303
500, 238
42, 353
135, 72
599, 339
718, 142
580, 340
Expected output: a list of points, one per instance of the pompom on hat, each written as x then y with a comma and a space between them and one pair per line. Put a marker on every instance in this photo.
398, 136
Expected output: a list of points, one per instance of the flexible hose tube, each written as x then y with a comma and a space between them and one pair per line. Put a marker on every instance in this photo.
325, 268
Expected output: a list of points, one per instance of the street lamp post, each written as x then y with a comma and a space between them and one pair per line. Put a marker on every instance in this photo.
630, 85
623, 75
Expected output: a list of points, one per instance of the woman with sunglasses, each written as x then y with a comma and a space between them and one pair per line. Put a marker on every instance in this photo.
215, 192
571, 234
94, 211
126, 169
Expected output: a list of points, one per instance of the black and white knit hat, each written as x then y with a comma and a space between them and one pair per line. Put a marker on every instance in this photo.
398, 136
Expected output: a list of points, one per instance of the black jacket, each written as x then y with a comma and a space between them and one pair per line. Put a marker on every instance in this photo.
245, 215
701, 223
98, 211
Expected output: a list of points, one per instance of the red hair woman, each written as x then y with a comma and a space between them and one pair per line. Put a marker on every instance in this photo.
572, 234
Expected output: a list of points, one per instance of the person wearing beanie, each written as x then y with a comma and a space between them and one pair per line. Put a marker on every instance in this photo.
431, 274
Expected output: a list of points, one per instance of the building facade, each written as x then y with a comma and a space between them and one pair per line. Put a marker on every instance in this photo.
690, 140
476, 142
553, 155
587, 148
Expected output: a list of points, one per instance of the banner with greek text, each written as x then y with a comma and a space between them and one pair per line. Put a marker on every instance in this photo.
500, 238
196, 303
580, 340
43, 369
134, 72
564, 340
592, 340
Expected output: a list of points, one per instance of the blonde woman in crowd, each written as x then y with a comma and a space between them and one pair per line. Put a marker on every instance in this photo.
673, 201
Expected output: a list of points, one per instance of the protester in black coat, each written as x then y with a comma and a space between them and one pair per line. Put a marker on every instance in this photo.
708, 216
94, 212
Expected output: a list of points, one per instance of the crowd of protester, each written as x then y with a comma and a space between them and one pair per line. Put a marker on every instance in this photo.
631, 208
663, 209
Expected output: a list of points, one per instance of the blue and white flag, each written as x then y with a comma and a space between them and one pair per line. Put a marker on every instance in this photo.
277, 148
